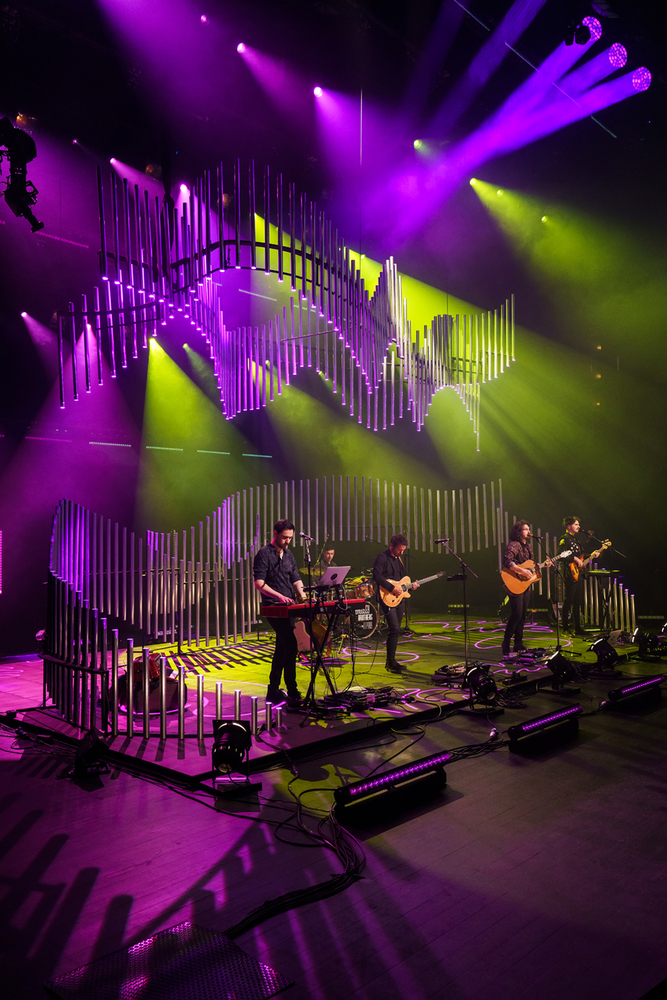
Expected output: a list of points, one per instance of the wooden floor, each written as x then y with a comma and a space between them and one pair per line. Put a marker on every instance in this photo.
527, 878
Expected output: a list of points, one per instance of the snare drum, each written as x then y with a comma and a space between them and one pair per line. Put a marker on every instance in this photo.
363, 621
365, 589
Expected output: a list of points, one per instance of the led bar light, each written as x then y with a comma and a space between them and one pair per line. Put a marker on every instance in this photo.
552, 727
365, 788
648, 687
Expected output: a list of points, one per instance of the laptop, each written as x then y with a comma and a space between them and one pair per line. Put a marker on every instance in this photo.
333, 576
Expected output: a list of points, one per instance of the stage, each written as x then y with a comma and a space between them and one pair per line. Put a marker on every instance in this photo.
527, 876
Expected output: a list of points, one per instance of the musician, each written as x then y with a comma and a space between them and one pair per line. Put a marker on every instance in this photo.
389, 566
325, 560
277, 579
574, 589
518, 551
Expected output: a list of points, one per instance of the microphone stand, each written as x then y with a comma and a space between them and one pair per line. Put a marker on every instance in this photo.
461, 576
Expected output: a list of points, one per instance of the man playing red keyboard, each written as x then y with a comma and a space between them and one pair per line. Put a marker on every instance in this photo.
277, 578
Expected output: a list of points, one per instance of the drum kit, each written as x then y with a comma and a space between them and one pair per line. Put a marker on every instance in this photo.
362, 622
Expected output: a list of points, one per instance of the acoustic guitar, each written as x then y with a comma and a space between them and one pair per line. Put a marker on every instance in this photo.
577, 570
406, 586
516, 584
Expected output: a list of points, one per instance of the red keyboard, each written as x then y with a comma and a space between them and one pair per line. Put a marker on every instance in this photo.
303, 610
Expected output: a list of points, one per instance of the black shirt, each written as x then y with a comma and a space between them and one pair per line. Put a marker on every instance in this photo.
279, 572
571, 543
387, 567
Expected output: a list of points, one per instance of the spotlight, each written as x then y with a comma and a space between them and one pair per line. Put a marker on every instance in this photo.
479, 683
650, 646
185, 190
231, 743
562, 669
23, 315
241, 47
418, 144
317, 91
500, 191
644, 690
545, 218
20, 193
618, 55
594, 27
204, 19
473, 181
606, 654
641, 78
542, 732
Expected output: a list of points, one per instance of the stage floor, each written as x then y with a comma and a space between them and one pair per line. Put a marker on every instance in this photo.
526, 877
432, 657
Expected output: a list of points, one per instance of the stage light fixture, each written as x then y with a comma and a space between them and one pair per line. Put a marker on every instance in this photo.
231, 743
641, 79
606, 654
185, 190
479, 682
594, 26
241, 47
499, 192
650, 646
20, 193
643, 689
432, 766
204, 19
545, 730
473, 181
544, 218
618, 55
418, 144
317, 91
562, 669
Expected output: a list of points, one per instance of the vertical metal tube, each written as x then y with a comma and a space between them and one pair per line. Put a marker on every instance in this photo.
218, 700
163, 698
279, 717
114, 682
253, 714
200, 707
147, 691
129, 687
104, 676
181, 703
268, 716
237, 705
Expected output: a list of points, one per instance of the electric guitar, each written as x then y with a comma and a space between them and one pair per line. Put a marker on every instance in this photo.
516, 584
576, 570
406, 586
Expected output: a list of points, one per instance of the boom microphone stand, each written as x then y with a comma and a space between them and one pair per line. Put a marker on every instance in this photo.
463, 576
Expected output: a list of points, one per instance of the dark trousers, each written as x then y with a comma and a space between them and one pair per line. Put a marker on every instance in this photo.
574, 590
517, 619
284, 655
394, 617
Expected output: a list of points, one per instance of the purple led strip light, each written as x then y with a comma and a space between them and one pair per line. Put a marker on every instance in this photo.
643, 684
553, 717
404, 772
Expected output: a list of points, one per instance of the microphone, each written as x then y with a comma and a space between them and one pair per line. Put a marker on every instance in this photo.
538, 537
439, 541
306, 538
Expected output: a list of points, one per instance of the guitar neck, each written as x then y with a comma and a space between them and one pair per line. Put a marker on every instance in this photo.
427, 579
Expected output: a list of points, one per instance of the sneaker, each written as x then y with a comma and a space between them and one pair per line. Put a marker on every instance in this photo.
394, 667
